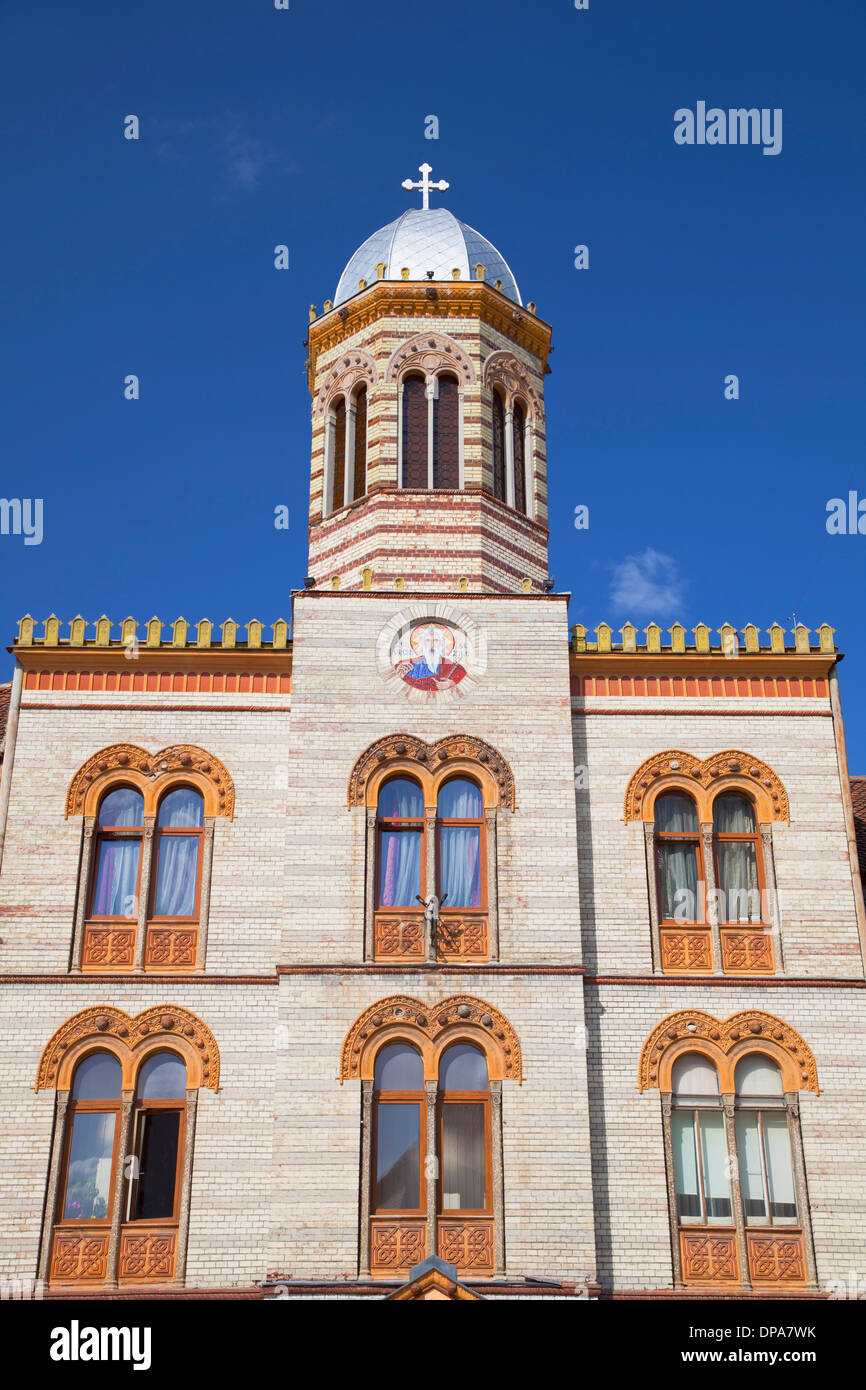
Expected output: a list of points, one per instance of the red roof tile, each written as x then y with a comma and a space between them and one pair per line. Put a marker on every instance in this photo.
858, 796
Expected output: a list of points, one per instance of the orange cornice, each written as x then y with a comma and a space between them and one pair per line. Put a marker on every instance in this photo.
180, 659
420, 299
763, 663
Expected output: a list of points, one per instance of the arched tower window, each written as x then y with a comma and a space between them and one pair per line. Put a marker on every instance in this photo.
359, 471
460, 813
414, 428
519, 428
498, 445
446, 433
338, 453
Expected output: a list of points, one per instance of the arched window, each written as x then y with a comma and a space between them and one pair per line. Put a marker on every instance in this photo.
338, 453
460, 817
399, 1111
764, 1144
414, 432
703, 1189
118, 854
498, 445
400, 820
737, 847
464, 1094
178, 852
679, 862
154, 1192
446, 433
519, 428
87, 1183
359, 476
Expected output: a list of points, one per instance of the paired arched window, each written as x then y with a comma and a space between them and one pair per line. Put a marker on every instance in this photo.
753, 1141
175, 879
430, 431
683, 870
400, 1169
118, 855
88, 1187
347, 449
459, 846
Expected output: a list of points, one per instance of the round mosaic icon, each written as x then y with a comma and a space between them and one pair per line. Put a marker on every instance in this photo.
426, 654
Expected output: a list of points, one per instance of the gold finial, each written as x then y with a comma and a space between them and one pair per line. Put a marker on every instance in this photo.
229, 630
702, 637
653, 637
362, 284
179, 629
497, 284
404, 273
52, 631
313, 313
730, 640
327, 306
280, 630
129, 632
777, 638
578, 638
602, 633
366, 577
480, 271
25, 632
455, 274
254, 633
825, 638
801, 637
380, 270
752, 638
531, 306
153, 627
463, 585
77, 629
203, 630
399, 582
628, 633
335, 581
527, 586
678, 637
103, 631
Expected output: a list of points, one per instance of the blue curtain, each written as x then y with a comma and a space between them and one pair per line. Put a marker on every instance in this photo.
176, 876
461, 865
399, 868
117, 878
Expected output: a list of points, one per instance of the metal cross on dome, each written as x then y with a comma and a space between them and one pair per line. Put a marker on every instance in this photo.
425, 185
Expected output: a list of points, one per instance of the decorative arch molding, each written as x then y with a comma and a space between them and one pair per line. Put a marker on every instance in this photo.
431, 1028
430, 763
151, 773
431, 353
165, 1027
503, 369
724, 1043
347, 372
703, 780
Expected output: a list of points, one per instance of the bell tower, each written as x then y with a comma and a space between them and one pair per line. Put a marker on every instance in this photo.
426, 371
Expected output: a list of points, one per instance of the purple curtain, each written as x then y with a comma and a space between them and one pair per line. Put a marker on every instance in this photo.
400, 868
176, 876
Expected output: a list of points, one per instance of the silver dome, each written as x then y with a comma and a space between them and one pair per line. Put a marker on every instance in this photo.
426, 239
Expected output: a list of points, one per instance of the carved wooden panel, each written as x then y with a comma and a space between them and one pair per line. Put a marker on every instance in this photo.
146, 1257
747, 950
395, 1246
398, 936
776, 1257
171, 948
459, 938
709, 1257
79, 1257
686, 950
108, 948
468, 1245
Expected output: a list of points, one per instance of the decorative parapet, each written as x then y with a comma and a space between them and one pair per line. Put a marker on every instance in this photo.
729, 645
181, 634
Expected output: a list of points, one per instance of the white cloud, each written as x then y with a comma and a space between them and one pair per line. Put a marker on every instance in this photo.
647, 584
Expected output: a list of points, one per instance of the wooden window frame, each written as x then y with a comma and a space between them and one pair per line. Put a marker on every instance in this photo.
176, 1105
108, 834
479, 823
176, 832
397, 823
759, 1106
482, 1098
87, 1107
662, 837
756, 839
418, 1099
695, 1105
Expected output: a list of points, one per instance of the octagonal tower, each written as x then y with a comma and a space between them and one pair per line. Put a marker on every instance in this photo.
428, 451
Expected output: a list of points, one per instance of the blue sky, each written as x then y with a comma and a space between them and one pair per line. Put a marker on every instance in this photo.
260, 127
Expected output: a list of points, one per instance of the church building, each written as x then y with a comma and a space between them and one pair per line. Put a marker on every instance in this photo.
427, 925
